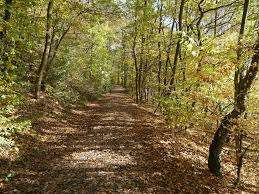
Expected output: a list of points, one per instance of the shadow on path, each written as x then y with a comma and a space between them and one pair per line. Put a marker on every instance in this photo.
108, 145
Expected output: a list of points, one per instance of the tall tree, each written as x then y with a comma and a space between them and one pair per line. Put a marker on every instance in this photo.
159, 65
178, 46
44, 60
243, 82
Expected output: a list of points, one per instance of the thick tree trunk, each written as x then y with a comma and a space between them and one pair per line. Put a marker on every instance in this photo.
242, 89
44, 60
219, 140
242, 86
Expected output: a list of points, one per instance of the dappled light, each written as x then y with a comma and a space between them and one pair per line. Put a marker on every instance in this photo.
129, 96
95, 159
100, 149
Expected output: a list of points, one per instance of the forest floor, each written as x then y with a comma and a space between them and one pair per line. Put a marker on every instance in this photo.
110, 145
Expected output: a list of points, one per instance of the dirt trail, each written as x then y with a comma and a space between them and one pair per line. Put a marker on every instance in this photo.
109, 145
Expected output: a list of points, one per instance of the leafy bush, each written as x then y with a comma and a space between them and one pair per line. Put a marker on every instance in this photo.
10, 100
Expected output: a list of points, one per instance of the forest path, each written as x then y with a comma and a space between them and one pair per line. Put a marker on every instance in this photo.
109, 145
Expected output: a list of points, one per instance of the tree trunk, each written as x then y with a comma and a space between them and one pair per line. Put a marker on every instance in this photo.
159, 49
136, 66
242, 87
199, 33
125, 67
53, 52
125, 75
49, 60
215, 21
140, 69
178, 48
219, 141
44, 60
168, 52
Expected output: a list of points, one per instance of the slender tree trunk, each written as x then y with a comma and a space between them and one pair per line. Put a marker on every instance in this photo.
159, 49
136, 66
145, 74
49, 61
125, 68
125, 75
53, 52
215, 21
44, 60
242, 87
54, 46
168, 53
140, 69
199, 33
178, 48
118, 74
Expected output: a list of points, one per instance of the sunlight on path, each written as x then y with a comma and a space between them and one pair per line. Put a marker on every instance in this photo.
121, 116
112, 145
95, 159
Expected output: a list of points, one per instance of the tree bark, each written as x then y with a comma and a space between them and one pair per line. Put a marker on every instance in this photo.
136, 66
219, 141
199, 32
159, 48
168, 52
229, 120
140, 69
125, 67
178, 48
215, 21
54, 46
242, 87
44, 60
